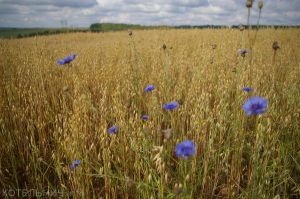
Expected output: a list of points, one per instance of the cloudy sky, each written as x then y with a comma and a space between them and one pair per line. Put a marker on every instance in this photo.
81, 13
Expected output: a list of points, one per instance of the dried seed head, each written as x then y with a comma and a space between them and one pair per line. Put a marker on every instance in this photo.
66, 88
277, 196
91, 147
130, 33
213, 46
163, 166
178, 188
224, 191
159, 149
249, 3
241, 28
260, 4
166, 177
164, 47
167, 133
275, 45
129, 182
187, 177
146, 129
149, 178
175, 186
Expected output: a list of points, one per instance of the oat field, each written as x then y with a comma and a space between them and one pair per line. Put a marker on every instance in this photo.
55, 120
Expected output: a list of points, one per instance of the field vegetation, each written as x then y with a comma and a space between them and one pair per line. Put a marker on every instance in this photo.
54, 114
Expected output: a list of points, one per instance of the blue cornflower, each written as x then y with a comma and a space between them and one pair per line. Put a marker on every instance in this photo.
247, 89
66, 60
112, 130
75, 164
149, 88
185, 149
255, 106
61, 62
145, 117
171, 105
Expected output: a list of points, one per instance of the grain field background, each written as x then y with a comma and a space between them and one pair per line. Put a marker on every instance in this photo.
52, 115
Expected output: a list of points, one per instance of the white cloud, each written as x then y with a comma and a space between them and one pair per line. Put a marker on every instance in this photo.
59, 3
49, 13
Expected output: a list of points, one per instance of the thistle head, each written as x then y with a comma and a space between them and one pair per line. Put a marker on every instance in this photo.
167, 133
213, 46
243, 52
249, 3
260, 4
241, 28
275, 45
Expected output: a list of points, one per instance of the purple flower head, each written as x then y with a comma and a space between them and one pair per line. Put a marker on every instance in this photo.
61, 62
66, 60
247, 89
255, 106
243, 52
145, 117
149, 88
113, 129
185, 149
171, 105
75, 164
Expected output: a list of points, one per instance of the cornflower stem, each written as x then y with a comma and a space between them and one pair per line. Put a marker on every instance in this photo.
162, 186
252, 45
274, 57
274, 69
257, 26
256, 148
248, 23
172, 121
186, 169
212, 57
249, 39
243, 40
137, 60
167, 71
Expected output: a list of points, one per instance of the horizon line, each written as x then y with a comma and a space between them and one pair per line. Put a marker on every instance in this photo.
88, 27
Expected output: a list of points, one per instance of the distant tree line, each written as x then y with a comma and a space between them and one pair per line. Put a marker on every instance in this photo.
233, 27
104, 27
49, 32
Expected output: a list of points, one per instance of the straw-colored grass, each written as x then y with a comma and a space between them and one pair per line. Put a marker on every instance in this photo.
52, 115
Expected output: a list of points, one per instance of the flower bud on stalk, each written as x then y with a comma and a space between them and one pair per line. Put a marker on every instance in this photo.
260, 4
275, 45
249, 3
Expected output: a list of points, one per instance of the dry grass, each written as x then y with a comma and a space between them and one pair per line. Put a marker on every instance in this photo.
52, 115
